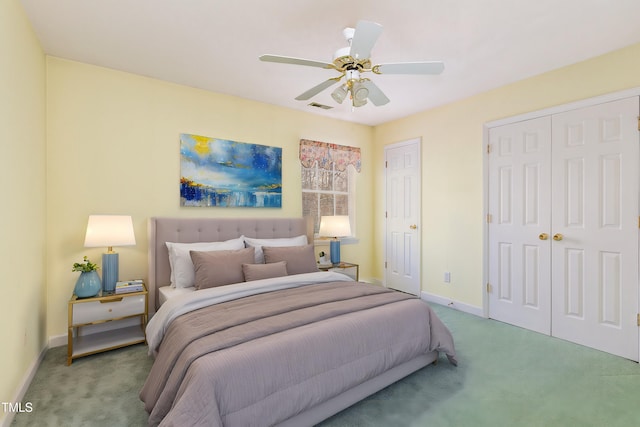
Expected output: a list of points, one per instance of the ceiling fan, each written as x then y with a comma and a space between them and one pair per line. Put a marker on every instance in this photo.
353, 61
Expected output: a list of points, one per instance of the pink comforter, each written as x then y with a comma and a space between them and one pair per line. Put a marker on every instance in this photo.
259, 360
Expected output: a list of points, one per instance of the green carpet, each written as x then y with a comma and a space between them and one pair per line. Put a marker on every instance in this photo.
98, 390
506, 376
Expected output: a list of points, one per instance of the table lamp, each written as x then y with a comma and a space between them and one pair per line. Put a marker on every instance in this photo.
335, 226
109, 231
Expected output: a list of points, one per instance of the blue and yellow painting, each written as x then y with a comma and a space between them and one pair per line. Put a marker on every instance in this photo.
219, 172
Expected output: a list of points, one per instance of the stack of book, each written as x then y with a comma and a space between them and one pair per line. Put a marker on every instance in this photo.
129, 286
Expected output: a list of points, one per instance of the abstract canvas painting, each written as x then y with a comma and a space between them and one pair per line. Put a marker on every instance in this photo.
219, 172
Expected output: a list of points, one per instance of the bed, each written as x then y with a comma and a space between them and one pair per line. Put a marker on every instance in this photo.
286, 347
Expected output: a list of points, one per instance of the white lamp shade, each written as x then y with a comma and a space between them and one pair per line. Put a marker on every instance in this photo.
109, 230
335, 226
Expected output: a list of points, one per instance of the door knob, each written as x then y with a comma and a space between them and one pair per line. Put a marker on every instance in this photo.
413, 226
543, 236
557, 237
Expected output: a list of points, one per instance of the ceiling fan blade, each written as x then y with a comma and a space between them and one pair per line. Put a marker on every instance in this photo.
435, 67
295, 61
365, 36
375, 94
317, 89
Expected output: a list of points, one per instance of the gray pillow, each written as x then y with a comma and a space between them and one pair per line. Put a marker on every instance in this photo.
264, 271
300, 259
218, 268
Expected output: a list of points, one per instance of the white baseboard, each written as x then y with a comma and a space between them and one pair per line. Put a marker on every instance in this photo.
24, 386
437, 299
456, 305
57, 341
372, 280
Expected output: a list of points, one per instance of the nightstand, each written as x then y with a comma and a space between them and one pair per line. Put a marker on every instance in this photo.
351, 270
118, 310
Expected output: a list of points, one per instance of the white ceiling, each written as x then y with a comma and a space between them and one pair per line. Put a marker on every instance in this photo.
215, 44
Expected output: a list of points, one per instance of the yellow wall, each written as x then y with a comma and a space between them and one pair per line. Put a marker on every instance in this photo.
22, 216
452, 164
113, 148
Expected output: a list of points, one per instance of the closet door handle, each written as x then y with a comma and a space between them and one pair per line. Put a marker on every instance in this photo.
543, 236
557, 237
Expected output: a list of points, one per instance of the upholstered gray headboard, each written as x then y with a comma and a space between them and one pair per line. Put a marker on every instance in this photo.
190, 230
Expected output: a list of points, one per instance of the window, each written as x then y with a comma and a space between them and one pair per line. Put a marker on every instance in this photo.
325, 192
328, 182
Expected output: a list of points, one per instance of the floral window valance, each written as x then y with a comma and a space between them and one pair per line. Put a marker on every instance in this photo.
327, 155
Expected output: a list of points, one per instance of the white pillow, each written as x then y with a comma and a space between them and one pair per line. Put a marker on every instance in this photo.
286, 241
182, 270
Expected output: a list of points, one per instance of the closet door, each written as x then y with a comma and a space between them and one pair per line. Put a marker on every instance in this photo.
519, 241
595, 164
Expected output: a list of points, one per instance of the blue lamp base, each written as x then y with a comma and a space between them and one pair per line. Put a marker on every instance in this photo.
109, 272
334, 249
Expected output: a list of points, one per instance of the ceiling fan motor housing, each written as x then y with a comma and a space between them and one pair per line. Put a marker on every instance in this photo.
341, 53
352, 75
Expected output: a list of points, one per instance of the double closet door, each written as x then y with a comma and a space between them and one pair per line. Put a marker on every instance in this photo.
563, 225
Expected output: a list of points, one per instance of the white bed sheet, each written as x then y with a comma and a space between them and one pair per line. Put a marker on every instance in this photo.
167, 292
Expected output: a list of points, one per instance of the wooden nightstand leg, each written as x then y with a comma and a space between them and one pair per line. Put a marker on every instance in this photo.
69, 334
143, 326
69, 346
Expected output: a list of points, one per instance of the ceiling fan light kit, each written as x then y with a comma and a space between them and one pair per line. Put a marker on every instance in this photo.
360, 93
340, 93
351, 62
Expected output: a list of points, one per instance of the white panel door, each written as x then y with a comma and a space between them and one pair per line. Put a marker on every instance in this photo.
519, 245
595, 226
402, 239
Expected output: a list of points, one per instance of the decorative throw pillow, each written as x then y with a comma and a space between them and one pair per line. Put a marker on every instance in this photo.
264, 271
182, 275
285, 241
219, 268
300, 259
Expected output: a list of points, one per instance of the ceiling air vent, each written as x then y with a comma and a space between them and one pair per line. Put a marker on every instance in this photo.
324, 107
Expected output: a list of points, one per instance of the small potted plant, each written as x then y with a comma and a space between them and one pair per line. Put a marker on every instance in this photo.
88, 284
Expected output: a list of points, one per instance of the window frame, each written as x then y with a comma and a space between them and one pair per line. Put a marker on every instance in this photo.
350, 194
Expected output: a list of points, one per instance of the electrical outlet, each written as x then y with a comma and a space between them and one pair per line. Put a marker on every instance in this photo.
447, 277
